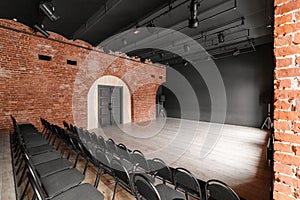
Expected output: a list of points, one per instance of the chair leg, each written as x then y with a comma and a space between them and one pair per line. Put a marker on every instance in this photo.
22, 177
186, 196
69, 154
76, 160
98, 177
58, 145
115, 190
85, 167
34, 197
25, 190
19, 168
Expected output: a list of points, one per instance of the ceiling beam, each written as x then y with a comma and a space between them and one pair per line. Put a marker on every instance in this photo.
96, 17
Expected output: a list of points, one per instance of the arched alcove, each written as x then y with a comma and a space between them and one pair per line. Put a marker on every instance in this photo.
93, 100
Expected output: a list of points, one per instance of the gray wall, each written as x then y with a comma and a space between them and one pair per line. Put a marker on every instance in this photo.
248, 78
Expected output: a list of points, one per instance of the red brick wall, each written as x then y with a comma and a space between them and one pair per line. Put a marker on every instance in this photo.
287, 100
31, 88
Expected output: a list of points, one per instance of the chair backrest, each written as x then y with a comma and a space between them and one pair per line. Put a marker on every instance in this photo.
101, 143
102, 158
139, 160
218, 190
185, 180
123, 152
161, 170
121, 174
145, 189
111, 146
36, 188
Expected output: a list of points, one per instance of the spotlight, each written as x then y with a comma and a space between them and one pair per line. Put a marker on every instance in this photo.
41, 30
236, 52
221, 37
151, 27
48, 9
193, 21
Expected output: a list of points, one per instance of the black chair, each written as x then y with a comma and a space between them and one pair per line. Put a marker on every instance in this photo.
186, 182
140, 165
161, 170
81, 192
218, 190
56, 183
101, 143
122, 177
111, 146
123, 152
147, 191
104, 165
139, 160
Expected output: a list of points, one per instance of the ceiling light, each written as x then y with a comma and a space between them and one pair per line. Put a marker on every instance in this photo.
151, 27
136, 32
41, 30
236, 52
193, 21
48, 9
221, 37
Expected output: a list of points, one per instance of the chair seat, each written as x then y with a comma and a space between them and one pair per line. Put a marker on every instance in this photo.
53, 166
35, 143
45, 157
168, 193
40, 149
81, 192
61, 181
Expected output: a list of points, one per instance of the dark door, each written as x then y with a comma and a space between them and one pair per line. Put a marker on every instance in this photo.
109, 105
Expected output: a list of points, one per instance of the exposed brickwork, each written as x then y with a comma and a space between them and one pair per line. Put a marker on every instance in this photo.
287, 100
31, 88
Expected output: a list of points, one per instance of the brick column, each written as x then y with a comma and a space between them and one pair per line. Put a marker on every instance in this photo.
287, 100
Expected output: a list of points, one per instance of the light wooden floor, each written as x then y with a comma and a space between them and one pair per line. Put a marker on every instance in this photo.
236, 154
233, 154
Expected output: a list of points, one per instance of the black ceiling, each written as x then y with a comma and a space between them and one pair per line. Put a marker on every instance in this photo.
243, 23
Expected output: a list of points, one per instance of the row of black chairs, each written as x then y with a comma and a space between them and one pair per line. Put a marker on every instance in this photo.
50, 174
137, 175
130, 169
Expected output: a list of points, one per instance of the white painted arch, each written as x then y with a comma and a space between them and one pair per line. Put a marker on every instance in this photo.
93, 100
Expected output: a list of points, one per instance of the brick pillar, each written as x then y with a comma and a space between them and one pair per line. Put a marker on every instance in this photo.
287, 100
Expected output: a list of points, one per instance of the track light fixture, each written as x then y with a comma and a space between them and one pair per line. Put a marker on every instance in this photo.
193, 21
48, 9
151, 27
236, 52
41, 30
221, 37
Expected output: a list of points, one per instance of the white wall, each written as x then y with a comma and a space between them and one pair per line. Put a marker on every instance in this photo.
93, 100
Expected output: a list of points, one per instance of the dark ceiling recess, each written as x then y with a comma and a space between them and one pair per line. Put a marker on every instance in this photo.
220, 26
